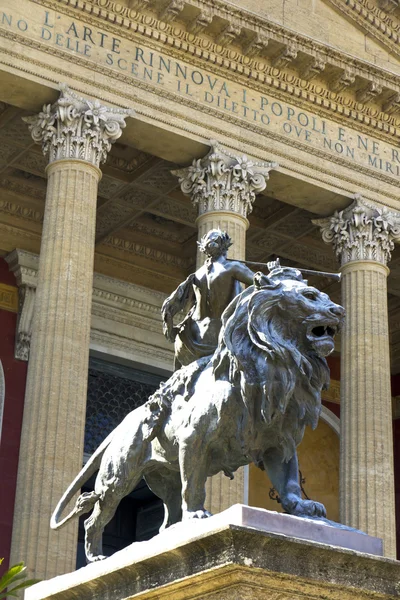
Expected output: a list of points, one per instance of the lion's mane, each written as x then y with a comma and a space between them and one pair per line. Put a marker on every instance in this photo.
259, 351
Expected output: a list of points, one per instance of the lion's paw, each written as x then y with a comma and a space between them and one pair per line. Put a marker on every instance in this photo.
196, 514
309, 508
95, 558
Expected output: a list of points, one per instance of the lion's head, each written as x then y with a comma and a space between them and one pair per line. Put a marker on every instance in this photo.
274, 340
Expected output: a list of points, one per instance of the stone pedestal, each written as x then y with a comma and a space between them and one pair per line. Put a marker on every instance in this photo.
237, 555
363, 236
224, 188
76, 134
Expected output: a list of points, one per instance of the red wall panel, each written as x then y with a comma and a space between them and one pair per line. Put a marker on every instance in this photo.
15, 379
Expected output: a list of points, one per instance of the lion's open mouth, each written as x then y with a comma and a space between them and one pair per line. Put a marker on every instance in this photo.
322, 337
321, 331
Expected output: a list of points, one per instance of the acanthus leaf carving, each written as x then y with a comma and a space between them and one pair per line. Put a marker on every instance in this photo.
223, 182
368, 93
343, 80
25, 318
362, 231
76, 128
313, 68
171, 10
201, 22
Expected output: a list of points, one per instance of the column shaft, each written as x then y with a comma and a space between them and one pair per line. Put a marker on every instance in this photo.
366, 472
54, 415
363, 236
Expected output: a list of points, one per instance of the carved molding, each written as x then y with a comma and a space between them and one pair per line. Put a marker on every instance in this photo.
171, 10
285, 56
284, 85
8, 298
132, 349
314, 67
129, 18
148, 252
24, 265
201, 22
180, 41
362, 231
77, 128
123, 314
369, 92
27, 213
223, 182
374, 19
343, 80
389, 6
392, 104
257, 45
25, 320
229, 34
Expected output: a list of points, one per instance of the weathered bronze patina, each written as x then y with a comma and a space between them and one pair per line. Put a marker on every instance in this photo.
204, 295
248, 402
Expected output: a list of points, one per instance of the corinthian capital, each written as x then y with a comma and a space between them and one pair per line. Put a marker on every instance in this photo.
77, 128
362, 231
223, 182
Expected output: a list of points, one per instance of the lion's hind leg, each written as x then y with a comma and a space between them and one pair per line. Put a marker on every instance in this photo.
167, 485
102, 514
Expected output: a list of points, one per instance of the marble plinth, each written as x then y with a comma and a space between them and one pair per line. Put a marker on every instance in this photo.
236, 555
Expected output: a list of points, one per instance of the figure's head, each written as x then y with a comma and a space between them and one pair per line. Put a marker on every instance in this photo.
215, 243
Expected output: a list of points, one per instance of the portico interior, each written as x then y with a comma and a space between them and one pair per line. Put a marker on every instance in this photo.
146, 227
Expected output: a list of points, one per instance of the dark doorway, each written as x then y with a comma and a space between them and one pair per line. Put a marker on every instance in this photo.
113, 391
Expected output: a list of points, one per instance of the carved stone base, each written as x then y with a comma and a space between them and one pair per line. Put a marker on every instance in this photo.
235, 556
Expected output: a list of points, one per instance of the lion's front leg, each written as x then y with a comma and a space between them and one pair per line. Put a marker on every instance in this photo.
193, 467
285, 479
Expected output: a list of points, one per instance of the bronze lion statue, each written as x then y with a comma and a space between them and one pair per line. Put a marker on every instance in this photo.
248, 402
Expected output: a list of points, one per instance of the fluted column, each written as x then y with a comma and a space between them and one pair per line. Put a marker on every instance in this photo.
363, 237
224, 187
76, 134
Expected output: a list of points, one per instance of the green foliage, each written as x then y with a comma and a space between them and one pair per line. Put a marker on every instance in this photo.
15, 574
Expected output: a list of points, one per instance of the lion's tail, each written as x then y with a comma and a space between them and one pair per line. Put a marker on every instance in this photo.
86, 501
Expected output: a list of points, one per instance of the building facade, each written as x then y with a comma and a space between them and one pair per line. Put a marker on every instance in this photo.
127, 131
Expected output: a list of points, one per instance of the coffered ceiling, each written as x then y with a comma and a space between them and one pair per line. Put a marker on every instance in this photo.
146, 231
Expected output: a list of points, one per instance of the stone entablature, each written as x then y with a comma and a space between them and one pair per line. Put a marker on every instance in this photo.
317, 146
240, 62
126, 318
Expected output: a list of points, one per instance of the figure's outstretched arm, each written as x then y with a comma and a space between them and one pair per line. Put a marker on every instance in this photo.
242, 273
